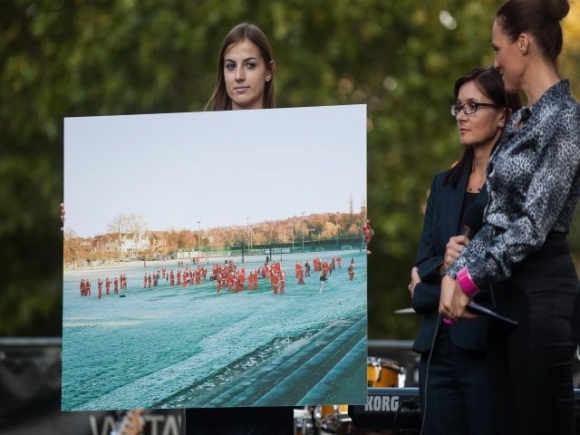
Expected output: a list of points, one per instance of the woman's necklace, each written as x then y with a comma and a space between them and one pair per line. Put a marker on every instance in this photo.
475, 186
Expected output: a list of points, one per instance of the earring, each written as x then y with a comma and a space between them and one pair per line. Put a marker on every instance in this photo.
267, 78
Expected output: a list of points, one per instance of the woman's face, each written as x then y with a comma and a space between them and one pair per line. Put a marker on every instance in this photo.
483, 127
245, 74
507, 58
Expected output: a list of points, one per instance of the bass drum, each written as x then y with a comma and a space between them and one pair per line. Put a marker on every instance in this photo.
373, 371
391, 374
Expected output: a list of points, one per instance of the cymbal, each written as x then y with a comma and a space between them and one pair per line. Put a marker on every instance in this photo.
409, 310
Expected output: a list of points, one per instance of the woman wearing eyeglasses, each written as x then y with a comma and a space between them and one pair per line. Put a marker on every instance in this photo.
453, 380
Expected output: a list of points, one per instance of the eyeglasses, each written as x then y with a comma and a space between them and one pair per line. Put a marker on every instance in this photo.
469, 107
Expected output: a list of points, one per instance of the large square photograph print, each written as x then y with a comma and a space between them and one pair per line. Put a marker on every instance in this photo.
215, 259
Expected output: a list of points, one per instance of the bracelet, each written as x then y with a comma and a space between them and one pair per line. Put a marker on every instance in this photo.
466, 283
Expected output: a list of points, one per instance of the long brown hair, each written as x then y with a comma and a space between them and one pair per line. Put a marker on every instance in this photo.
219, 99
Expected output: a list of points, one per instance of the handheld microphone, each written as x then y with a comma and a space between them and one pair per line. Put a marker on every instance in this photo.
474, 307
471, 223
472, 220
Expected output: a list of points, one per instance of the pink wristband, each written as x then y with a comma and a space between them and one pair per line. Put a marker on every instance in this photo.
466, 283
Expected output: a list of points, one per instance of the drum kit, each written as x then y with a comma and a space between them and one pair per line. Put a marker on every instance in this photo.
334, 419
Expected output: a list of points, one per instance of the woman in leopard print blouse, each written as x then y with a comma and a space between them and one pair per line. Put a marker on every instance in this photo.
521, 254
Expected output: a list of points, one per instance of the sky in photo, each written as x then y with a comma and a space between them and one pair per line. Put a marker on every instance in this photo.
203, 170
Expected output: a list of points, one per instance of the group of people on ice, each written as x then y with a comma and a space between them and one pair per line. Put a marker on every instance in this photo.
119, 283
227, 275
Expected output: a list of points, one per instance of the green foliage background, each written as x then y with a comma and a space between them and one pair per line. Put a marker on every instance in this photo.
66, 58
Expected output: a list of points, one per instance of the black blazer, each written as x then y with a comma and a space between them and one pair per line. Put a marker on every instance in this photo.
443, 218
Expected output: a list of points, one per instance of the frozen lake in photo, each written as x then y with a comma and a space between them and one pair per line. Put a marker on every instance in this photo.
174, 346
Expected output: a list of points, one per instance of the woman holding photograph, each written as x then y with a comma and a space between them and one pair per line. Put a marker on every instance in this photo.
245, 80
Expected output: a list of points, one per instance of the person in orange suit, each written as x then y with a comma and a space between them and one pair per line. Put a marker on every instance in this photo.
300, 277
274, 281
282, 276
241, 279
218, 279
